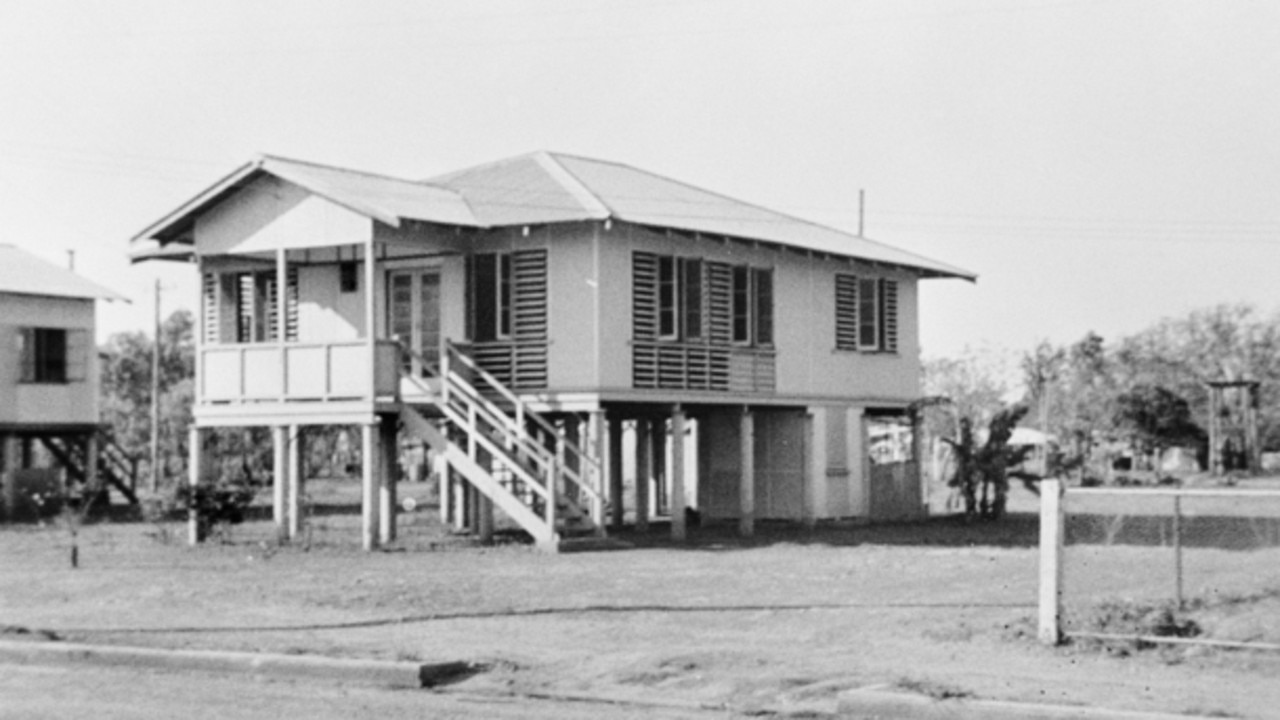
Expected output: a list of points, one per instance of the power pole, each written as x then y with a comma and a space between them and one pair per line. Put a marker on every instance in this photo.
155, 400
862, 205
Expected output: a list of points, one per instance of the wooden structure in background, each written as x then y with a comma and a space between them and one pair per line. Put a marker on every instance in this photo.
1244, 408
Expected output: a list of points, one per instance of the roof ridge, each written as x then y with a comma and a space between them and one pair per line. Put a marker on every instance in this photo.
264, 157
484, 165
588, 198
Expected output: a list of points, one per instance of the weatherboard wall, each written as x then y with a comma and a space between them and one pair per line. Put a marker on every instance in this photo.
808, 365
44, 404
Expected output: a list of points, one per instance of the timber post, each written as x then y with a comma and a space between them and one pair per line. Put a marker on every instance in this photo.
1051, 546
678, 502
747, 474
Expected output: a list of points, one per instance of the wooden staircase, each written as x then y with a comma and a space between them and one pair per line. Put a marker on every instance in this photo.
514, 456
116, 469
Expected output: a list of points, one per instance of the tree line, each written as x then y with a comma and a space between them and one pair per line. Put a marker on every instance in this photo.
1146, 392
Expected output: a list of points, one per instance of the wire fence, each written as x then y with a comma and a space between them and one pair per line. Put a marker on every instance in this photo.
1162, 565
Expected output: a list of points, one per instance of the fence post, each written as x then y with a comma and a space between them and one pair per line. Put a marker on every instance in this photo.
1051, 543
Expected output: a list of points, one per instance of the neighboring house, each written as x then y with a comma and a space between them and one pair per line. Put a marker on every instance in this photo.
747, 352
48, 375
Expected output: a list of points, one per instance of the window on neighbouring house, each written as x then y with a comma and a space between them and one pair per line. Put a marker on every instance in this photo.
53, 355
489, 294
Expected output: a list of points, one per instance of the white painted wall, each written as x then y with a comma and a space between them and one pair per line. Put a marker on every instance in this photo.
25, 403
808, 364
271, 213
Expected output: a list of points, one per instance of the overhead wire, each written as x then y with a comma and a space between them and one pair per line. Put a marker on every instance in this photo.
1039, 227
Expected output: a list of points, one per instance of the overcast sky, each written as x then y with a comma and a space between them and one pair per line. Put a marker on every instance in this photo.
1100, 165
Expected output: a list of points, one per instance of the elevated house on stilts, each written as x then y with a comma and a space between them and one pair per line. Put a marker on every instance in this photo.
529, 317
49, 389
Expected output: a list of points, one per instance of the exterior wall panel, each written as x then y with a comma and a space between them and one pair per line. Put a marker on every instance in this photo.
56, 403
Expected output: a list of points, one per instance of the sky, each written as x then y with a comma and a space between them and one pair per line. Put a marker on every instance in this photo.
1100, 165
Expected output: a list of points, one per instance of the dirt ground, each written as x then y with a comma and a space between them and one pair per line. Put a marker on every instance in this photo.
776, 625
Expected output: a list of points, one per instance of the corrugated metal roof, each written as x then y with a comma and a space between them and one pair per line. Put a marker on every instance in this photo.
554, 187
22, 273
524, 190
384, 198
539, 188
642, 197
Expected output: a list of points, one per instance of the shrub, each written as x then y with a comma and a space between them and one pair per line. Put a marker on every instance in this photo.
216, 504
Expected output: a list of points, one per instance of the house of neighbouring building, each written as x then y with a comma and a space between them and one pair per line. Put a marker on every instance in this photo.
528, 317
49, 383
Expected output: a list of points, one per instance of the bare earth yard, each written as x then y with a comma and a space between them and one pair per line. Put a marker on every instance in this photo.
778, 625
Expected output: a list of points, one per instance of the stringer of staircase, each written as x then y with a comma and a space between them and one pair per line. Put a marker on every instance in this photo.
512, 454
115, 468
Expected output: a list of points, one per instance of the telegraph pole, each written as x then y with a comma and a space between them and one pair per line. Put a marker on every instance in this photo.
155, 400
862, 205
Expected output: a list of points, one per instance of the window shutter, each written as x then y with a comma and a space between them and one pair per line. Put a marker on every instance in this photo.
209, 317
846, 312
529, 304
719, 303
889, 314
528, 314
291, 308
244, 307
271, 307
27, 351
644, 296
78, 350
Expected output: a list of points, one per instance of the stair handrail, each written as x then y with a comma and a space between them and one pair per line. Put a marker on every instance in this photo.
125, 464
532, 448
491, 414
522, 411
492, 447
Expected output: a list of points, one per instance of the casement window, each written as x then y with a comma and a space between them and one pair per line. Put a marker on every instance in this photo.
489, 296
866, 314
53, 355
752, 305
243, 307
680, 298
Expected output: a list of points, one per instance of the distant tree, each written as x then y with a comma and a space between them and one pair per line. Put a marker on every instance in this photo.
1223, 342
970, 388
1042, 370
975, 385
126, 391
1157, 419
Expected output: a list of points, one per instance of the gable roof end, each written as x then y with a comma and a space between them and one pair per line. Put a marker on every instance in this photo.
385, 199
